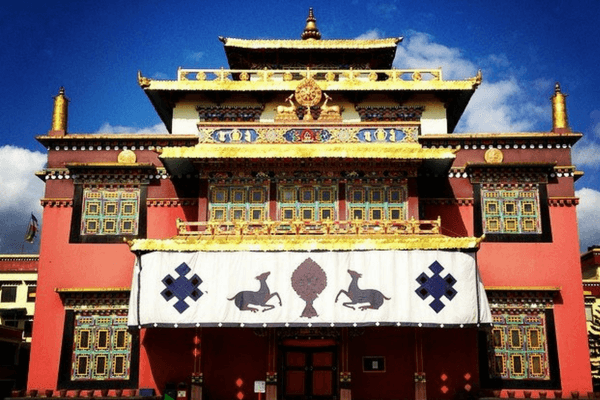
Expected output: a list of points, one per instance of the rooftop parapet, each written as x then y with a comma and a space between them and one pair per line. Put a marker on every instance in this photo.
328, 79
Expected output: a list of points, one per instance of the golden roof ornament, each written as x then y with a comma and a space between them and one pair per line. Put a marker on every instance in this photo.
310, 30
142, 80
126, 157
560, 123
493, 156
60, 114
308, 94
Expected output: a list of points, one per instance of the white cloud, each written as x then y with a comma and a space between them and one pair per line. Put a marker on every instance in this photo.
155, 129
497, 105
419, 51
497, 60
596, 130
371, 35
21, 192
501, 107
587, 216
195, 55
384, 9
586, 153
160, 75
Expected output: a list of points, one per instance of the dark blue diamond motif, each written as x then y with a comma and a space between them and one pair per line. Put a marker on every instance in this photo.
181, 287
436, 286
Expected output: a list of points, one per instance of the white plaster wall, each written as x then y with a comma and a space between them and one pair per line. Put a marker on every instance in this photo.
185, 118
21, 300
433, 121
434, 118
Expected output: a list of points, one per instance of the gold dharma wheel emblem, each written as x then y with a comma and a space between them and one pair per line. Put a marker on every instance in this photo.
493, 156
308, 93
126, 157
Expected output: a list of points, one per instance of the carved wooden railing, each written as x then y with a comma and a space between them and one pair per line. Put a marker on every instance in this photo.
301, 227
269, 75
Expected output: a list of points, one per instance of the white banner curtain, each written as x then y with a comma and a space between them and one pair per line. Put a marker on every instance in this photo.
267, 289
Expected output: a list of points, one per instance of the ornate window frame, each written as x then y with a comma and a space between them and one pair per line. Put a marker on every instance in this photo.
373, 202
520, 305
111, 303
112, 176
238, 201
307, 201
77, 236
521, 177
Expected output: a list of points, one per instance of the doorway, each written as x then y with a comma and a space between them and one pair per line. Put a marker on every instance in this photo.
309, 373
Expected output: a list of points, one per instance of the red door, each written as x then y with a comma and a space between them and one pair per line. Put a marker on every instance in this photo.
309, 373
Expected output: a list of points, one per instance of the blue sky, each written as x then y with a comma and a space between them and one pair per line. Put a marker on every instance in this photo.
95, 48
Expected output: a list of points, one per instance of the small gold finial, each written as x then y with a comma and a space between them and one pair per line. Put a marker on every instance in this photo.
310, 30
60, 114
560, 123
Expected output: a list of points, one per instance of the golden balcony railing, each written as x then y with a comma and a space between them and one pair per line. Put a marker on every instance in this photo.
328, 75
309, 227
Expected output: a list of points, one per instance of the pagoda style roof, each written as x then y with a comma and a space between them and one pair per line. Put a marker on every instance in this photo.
331, 44
180, 160
290, 53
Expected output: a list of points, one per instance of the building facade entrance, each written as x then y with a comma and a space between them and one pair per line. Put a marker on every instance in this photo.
309, 373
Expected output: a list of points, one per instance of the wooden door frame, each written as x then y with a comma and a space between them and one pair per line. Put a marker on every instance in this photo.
284, 349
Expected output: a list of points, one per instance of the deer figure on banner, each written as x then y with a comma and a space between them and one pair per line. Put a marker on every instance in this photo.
358, 296
245, 298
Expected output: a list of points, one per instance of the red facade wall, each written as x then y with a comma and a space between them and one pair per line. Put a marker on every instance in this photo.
231, 354
64, 265
553, 264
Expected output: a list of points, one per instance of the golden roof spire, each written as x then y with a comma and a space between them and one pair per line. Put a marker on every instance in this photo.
560, 123
60, 114
310, 30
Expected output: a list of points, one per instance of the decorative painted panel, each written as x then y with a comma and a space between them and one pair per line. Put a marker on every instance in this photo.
390, 113
238, 203
511, 209
101, 347
518, 347
110, 211
304, 134
229, 113
377, 202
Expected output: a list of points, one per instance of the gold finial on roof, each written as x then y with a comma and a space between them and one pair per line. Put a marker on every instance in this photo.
60, 114
560, 123
310, 30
